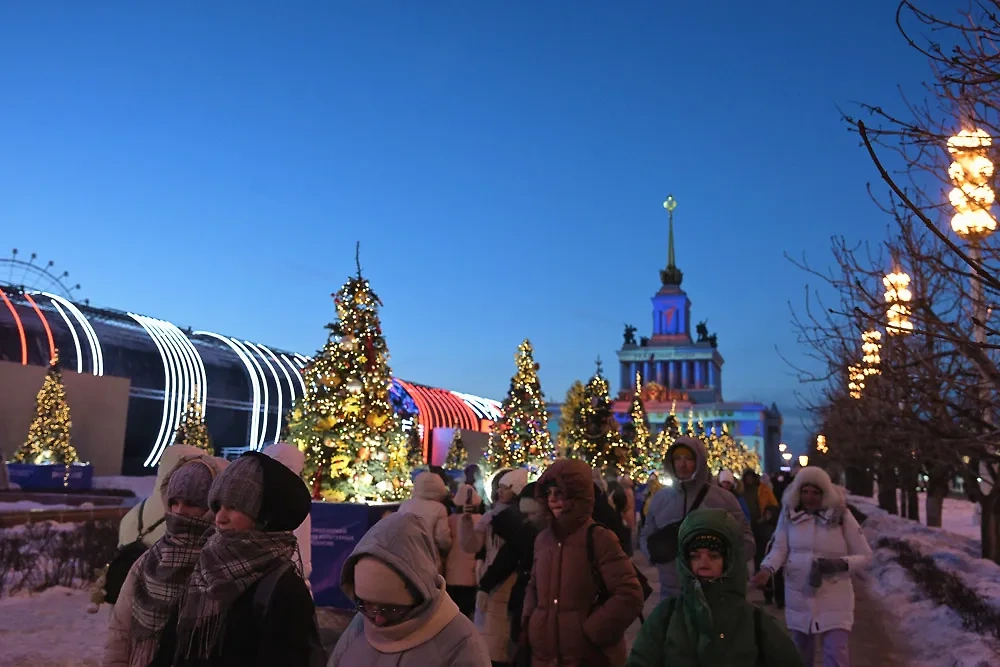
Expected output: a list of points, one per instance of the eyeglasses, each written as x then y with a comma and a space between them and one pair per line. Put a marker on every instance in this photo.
392, 614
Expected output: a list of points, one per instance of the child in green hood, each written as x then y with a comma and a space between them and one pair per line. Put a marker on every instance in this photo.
711, 622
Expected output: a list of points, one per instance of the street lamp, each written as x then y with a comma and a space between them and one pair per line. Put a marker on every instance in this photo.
803, 460
821, 444
787, 456
898, 295
782, 447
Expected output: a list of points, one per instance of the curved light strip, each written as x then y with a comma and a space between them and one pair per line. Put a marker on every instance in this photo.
45, 325
193, 365
95, 344
185, 379
277, 387
288, 378
487, 407
20, 328
167, 381
202, 375
266, 392
301, 360
72, 330
297, 372
254, 383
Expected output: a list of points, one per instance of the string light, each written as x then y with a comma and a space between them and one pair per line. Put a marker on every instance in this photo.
972, 195
898, 296
354, 443
642, 454
870, 347
48, 438
192, 429
821, 444
521, 437
595, 437
856, 381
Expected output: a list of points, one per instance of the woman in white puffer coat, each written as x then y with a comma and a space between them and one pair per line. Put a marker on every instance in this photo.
819, 543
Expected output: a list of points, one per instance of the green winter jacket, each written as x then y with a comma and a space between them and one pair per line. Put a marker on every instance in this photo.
711, 623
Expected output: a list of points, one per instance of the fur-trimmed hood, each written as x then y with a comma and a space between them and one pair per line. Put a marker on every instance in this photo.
574, 478
833, 497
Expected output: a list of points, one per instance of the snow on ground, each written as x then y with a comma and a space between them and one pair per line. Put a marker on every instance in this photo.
140, 486
933, 631
51, 628
958, 516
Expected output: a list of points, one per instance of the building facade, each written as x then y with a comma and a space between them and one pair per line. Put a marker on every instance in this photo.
682, 375
245, 388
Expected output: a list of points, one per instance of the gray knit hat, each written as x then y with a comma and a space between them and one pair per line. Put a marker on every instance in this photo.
190, 483
239, 487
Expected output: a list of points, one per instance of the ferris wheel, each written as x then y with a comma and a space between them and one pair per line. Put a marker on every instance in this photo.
33, 276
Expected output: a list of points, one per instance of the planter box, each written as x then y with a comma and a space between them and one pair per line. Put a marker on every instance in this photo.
48, 477
336, 530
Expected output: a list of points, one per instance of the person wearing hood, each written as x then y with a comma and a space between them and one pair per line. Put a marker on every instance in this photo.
652, 487
405, 617
710, 621
245, 603
583, 593
460, 565
294, 459
147, 604
151, 510
491, 615
727, 480
427, 502
820, 545
687, 460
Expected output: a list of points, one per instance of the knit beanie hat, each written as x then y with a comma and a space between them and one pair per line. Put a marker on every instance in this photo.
711, 542
240, 487
515, 480
374, 581
190, 483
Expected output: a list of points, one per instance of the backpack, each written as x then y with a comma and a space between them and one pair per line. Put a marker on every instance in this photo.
758, 634
116, 571
663, 544
595, 571
262, 596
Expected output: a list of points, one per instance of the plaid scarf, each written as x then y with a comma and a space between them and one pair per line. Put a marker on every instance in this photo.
160, 582
231, 562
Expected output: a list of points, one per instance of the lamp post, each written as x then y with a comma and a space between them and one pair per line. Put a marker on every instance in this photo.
972, 198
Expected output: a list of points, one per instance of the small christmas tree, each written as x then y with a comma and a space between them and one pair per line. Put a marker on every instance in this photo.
49, 435
726, 453
599, 441
567, 438
354, 443
521, 437
192, 430
666, 437
643, 458
414, 446
458, 457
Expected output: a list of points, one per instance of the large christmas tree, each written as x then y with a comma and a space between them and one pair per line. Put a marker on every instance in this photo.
521, 437
643, 457
596, 435
353, 441
192, 430
49, 434
726, 453
567, 438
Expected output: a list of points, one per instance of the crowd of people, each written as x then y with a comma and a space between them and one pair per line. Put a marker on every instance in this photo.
532, 574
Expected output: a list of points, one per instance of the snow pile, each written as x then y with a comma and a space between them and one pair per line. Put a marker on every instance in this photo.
140, 486
26, 505
51, 628
934, 631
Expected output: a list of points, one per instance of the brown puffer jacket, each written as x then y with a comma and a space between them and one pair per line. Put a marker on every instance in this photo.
565, 625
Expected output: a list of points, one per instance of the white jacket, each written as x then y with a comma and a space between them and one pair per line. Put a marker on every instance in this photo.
153, 510
800, 539
293, 459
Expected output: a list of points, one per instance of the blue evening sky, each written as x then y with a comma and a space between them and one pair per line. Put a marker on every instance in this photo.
502, 163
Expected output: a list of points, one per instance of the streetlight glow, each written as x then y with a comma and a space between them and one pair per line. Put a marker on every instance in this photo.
803, 460
898, 295
970, 173
821, 444
870, 346
856, 381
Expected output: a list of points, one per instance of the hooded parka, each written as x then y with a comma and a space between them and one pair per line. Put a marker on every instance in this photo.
567, 626
435, 633
672, 503
710, 623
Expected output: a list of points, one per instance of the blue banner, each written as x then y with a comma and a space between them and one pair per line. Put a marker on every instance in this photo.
50, 477
336, 530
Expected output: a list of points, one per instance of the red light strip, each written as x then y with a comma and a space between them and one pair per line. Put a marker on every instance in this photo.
45, 323
422, 408
20, 328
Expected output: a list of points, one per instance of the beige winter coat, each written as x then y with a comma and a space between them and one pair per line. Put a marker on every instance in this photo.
116, 647
492, 618
293, 459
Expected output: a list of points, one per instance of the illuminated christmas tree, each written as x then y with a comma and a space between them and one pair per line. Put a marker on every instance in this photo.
354, 444
414, 446
521, 437
595, 434
49, 434
566, 440
666, 437
457, 454
192, 430
643, 457
726, 453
